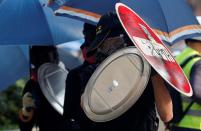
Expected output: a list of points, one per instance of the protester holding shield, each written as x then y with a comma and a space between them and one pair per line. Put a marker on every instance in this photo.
110, 37
36, 110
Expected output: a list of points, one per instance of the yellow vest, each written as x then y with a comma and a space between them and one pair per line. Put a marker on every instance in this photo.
192, 118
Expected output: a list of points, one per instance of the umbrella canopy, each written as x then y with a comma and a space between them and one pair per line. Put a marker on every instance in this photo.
172, 20
30, 22
15, 61
14, 64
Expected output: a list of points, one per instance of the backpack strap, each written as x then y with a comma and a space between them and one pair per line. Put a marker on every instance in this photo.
183, 64
186, 110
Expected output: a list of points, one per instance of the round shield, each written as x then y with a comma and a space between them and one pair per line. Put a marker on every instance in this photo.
153, 49
115, 85
51, 78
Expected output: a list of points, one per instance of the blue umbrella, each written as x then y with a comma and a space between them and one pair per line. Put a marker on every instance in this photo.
30, 22
172, 20
14, 64
15, 61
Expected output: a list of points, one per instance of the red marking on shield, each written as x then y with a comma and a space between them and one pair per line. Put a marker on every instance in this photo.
153, 49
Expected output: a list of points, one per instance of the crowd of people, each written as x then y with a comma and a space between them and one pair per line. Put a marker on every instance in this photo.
177, 112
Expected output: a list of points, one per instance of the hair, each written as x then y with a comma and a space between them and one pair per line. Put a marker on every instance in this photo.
43, 54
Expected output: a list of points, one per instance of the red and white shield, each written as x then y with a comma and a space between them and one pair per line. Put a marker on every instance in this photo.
153, 49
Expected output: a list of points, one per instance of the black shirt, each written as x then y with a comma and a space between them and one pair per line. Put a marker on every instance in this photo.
140, 117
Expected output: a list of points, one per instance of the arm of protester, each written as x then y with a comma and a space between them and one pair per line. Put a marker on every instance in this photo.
196, 82
162, 98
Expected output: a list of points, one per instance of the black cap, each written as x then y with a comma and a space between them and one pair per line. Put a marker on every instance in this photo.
108, 26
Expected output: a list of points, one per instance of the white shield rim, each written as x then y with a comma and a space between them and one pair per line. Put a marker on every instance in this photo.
184, 93
85, 99
46, 87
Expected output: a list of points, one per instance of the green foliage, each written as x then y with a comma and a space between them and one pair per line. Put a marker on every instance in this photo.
10, 103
